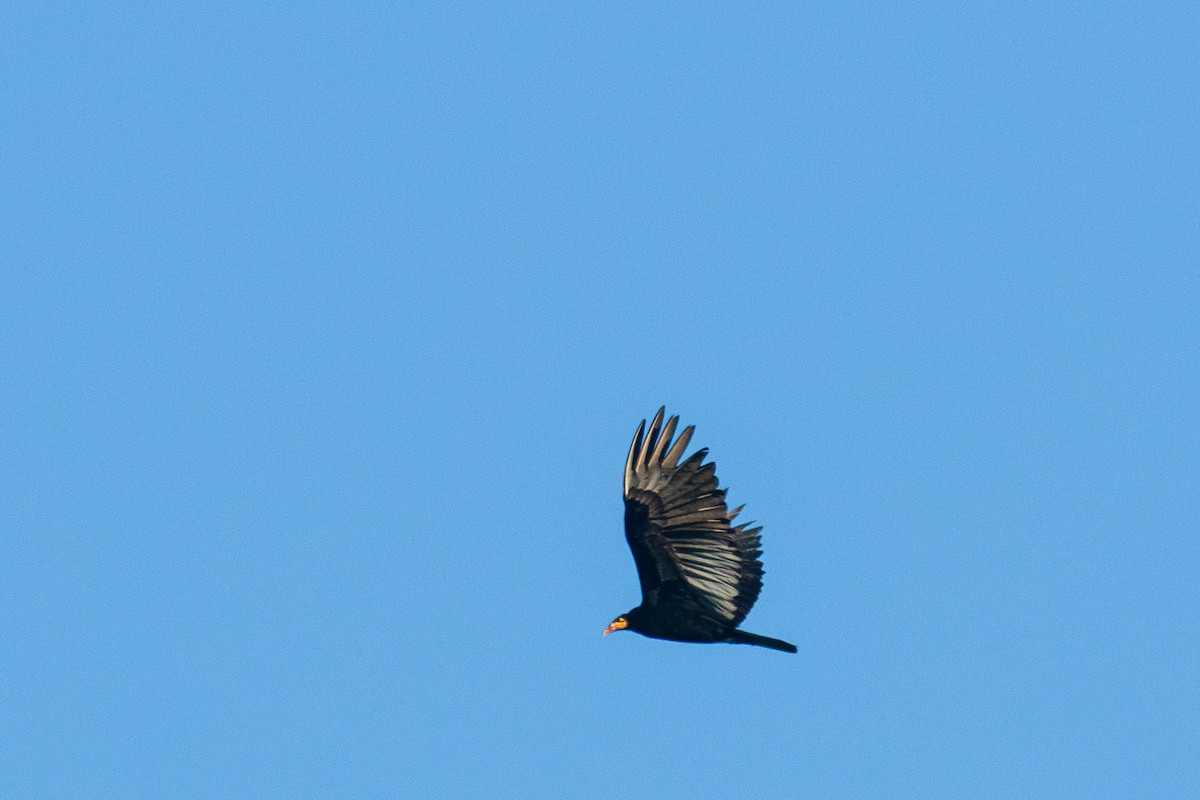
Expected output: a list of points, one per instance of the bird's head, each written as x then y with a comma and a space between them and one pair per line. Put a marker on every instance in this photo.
618, 624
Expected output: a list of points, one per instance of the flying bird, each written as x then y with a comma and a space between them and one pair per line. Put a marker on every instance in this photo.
700, 573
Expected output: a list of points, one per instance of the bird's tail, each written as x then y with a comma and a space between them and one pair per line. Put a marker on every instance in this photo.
743, 637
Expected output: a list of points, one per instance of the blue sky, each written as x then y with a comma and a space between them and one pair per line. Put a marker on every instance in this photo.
325, 330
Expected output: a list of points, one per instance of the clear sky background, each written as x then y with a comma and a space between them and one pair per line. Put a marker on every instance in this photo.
325, 329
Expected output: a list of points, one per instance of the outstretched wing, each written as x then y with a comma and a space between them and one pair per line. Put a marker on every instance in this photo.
688, 553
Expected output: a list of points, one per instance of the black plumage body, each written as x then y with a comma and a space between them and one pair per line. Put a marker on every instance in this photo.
700, 574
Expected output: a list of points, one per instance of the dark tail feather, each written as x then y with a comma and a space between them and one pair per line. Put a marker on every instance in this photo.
742, 637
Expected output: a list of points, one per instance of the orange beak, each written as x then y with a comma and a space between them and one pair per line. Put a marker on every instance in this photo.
616, 625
